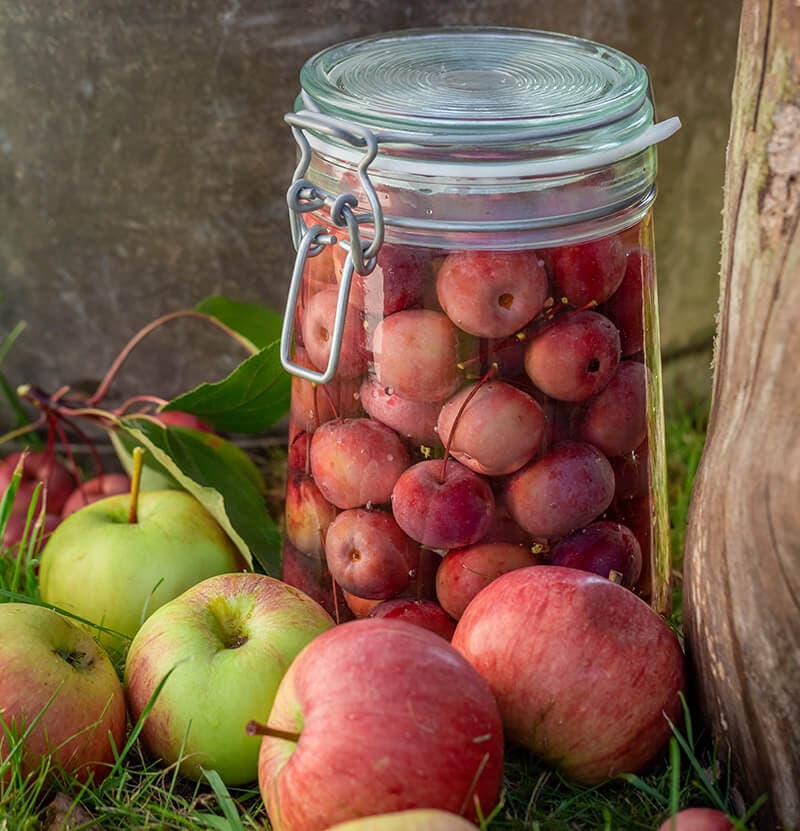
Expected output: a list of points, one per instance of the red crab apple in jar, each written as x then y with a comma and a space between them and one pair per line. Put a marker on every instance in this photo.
416, 355
465, 571
605, 548
369, 555
588, 272
574, 357
587, 676
424, 613
379, 695
491, 294
356, 461
442, 504
227, 643
615, 421
625, 307
499, 428
562, 491
53, 670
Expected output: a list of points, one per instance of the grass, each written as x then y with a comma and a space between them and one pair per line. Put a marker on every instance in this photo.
140, 794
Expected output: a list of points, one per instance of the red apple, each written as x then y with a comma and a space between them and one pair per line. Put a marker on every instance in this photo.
39, 466
15, 529
177, 418
586, 674
424, 613
94, 489
697, 819
379, 716
51, 666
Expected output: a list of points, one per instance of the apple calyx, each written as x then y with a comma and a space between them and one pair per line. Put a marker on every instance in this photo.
136, 481
77, 660
255, 728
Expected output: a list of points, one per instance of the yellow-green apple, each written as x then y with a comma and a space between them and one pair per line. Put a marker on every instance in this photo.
377, 716
113, 572
52, 670
586, 674
228, 642
424, 819
698, 819
38, 466
95, 489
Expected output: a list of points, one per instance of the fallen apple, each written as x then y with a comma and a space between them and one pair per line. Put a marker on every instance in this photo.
377, 716
92, 490
697, 819
52, 670
228, 642
585, 673
116, 561
38, 466
424, 819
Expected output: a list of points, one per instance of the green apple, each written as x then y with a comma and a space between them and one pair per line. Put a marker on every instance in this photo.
228, 641
54, 671
102, 567
421, 819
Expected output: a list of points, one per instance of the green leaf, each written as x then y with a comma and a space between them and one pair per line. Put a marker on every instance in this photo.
156, 477
251, 399
258, 324
201, 464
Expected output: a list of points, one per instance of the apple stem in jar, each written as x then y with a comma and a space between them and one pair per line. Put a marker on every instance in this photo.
255, 729
136, 481
489, 373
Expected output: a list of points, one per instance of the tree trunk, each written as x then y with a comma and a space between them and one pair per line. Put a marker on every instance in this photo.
742, 568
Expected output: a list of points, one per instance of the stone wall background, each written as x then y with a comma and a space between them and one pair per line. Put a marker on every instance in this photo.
143, 164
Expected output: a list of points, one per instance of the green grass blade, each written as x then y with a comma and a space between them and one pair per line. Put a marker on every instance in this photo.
674, 777
225, 800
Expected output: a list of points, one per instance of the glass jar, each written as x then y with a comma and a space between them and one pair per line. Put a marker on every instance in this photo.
472, 321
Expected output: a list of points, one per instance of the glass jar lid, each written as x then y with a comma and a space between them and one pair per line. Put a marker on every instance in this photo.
493, 81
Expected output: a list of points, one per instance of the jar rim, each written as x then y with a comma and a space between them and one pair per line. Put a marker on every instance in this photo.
495, 80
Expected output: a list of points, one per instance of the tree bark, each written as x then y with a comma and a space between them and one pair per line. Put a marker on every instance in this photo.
742, 565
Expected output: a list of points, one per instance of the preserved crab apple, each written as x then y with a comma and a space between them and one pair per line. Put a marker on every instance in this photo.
490, 399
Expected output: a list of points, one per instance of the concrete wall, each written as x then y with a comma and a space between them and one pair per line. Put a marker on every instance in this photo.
143, 162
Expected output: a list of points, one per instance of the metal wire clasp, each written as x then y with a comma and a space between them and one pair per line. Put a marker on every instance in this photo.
302, 197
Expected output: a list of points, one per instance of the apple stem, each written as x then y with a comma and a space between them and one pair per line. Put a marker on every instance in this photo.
489, 373
254, 728
334, 410
123, 356
136, 481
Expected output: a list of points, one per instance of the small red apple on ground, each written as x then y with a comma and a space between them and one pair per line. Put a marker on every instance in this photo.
39, 466
377, 716
92, 490
585, 673
697, 819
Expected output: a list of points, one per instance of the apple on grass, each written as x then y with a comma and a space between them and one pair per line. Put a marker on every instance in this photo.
698, 819
377, 716
228, 642
116, 561
424, 819
587, 676
58, 684
94, 489
38, 466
